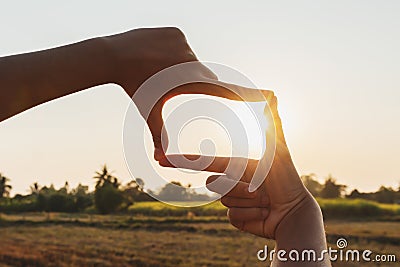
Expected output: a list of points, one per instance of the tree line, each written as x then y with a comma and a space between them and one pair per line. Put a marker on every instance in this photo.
111, 196
332, 189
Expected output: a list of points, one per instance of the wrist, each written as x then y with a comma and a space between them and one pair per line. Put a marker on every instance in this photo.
124, 60
304, 220
109, 59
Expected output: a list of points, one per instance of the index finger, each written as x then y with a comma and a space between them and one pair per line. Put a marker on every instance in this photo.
235, 167
212, 87
196, 78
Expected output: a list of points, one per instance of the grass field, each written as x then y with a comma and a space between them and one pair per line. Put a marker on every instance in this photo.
332, 209
41, 239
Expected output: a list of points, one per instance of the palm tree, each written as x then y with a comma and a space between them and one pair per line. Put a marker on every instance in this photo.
35, 188
4, 186
104, 176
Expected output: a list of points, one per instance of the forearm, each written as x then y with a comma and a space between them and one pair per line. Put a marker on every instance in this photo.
302, 229
30, 79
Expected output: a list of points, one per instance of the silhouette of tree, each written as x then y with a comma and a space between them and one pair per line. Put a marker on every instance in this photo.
140, 183
107, 196
385, 195
332, 189
174, 191
34, 188
355, 194
83, 199
5, 188
134, 191
65, 188
104, 176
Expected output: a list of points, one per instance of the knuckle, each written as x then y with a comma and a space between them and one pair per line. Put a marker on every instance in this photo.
226, 201
238, 224
174, 31
232, 214
271, 93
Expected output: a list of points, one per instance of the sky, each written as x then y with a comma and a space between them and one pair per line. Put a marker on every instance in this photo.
334, 66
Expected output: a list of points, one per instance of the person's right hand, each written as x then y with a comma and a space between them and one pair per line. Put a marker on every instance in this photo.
262, 211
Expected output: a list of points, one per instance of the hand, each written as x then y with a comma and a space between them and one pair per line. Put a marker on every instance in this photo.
262, 211
127, 59
138, 54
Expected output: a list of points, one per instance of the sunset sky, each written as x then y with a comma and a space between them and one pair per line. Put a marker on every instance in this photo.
334, 65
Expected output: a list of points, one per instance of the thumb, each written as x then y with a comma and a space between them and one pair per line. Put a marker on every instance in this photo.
272, 105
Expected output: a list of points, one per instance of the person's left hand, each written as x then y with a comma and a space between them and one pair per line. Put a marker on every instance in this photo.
139, 54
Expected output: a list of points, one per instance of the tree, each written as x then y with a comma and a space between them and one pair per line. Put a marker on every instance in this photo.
140, 184
83, 199
311, 183
132, 191
107, 196
355, 194
105, 177
332, 189
385, 195
65, 189
4, 186
174, 191
35, 188
61, 202
107, 199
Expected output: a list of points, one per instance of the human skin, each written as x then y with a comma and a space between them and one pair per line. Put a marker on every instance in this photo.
281, 208
126, 59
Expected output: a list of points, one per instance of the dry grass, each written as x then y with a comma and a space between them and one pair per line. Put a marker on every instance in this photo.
88, 240
58, 245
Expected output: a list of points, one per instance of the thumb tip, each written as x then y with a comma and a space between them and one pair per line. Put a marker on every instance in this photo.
159, 155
